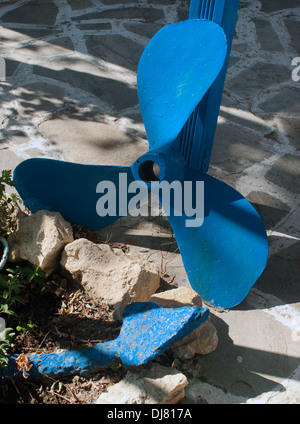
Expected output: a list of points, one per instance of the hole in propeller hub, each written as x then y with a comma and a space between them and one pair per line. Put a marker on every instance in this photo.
149, 171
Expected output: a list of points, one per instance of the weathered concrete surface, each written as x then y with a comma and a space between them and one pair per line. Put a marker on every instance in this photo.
66, 96
86, 140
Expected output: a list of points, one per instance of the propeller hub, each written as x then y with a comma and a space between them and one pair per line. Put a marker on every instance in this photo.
149, 168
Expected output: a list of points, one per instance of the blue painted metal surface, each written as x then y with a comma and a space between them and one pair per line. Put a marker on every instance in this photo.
146, 332
180, 80
226, 255
185, 81
68, 188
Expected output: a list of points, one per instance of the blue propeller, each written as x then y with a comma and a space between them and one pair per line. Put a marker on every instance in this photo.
180, 82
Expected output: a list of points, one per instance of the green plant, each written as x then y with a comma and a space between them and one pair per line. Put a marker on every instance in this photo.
6, 345
176, 363
5, 178
13, 282
9, 204
27, 274
201, 375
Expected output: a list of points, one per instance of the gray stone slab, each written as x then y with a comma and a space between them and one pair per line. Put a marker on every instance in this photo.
286, 173
182, 13
115, 93
292, 127
8, 159
284, 102
15, 146
58, 46
233, 61
7, 3
13, 35
109, 2
253, 351
146, 233
162, 2
269, 6
141, 13
98, 26
36, 98
258, 78
293, 28
16, 138
239, 48
270, 209
2, 120
291, 253
267, 37
232, 113
36, 32
79, 4
115, 49
41, 12
235, 151
281, 276
145, 29
85, 138
64, 42
11, 66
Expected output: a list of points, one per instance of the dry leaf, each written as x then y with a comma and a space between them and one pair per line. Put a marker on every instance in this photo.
23, 364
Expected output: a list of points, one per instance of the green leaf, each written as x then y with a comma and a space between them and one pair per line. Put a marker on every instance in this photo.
4, 308
5, 294
19, 299
30, 278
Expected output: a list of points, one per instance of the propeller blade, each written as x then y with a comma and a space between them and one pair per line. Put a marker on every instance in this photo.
226, 253
77, 191
182, 59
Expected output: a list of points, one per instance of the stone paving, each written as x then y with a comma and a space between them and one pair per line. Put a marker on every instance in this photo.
70, 94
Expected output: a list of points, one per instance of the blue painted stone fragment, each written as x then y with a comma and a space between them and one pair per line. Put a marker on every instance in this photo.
146, 332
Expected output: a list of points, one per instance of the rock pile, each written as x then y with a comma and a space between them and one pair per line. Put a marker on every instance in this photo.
113, 279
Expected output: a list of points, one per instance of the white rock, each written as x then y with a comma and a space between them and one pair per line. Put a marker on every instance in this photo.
199, 392
202, 341
183, 296
155, 385
110, 277
40, 239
